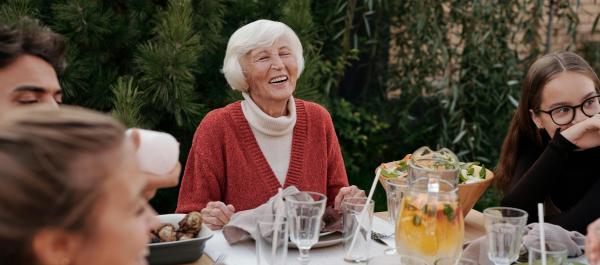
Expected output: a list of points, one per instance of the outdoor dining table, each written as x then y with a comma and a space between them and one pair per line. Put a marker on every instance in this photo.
474, 228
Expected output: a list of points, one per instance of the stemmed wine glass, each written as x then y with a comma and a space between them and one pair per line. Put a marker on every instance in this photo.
396, 188
305, 210
504, 227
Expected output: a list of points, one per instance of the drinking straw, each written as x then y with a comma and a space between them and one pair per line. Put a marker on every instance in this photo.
542, 238
365, 208
277, 203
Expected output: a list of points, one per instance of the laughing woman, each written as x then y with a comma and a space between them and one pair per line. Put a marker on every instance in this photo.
242, 153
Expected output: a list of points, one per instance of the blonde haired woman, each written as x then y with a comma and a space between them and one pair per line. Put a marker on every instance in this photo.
71, 192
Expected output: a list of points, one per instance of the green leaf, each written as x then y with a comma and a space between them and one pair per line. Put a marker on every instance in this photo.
449, 212
417, 220
482, 172
470, 170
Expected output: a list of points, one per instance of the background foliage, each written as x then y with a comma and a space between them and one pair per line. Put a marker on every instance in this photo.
395, 75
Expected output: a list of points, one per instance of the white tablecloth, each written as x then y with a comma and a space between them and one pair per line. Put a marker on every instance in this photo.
245, 253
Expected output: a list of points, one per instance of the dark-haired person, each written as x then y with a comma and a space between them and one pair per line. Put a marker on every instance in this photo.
72, 191
31, 58
552, 149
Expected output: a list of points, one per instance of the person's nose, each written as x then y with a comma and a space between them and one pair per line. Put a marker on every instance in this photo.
49, 103
151, 219
277, 63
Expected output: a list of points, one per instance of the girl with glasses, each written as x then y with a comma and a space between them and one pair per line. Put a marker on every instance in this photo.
552, 149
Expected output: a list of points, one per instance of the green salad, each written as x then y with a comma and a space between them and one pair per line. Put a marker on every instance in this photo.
468, 175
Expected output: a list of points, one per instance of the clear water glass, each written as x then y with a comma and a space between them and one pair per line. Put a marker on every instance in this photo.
272, 240
504, 227
352, 208
396, 188
305, 210
556, 253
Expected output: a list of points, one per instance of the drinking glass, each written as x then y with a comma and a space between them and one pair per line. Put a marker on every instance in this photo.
556, 253
272, 240
396, 259
426, 163
396, 188
305, 210
430, 224
504, 227
453, 261
356, 250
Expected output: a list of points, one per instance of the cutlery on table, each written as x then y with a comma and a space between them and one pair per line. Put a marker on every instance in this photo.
221, 259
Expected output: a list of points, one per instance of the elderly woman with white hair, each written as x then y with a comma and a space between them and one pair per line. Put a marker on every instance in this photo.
244, 152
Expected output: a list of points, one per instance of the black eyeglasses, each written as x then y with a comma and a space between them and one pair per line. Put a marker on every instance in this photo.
564, 115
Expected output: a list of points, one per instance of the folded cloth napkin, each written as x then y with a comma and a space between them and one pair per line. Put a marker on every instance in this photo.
574, 241
242, 225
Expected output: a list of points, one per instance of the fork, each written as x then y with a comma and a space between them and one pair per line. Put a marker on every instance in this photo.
221, 259
381, 235
378, 237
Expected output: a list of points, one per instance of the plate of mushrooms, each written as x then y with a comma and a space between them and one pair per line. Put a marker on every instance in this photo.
180, 239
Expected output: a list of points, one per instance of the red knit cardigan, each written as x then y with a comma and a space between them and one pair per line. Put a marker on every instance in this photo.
226, 164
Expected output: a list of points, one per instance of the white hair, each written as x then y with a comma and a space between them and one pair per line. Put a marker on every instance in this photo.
258, 34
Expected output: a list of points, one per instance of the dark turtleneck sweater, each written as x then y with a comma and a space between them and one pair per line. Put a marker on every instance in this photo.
559, 173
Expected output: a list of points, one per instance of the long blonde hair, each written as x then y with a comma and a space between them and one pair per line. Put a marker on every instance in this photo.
53, 166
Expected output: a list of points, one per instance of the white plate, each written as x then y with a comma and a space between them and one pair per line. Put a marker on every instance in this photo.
325, 240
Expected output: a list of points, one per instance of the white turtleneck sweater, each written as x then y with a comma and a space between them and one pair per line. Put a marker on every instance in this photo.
274, 135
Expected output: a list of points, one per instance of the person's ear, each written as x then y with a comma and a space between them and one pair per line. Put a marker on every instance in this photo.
536, 119
55, 247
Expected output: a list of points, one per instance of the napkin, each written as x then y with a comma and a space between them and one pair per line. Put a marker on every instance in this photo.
574, 241
242, 225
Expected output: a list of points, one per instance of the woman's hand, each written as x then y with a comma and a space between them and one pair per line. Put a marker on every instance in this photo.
217, 214
592, 242
155, 182
584, 134
347, 192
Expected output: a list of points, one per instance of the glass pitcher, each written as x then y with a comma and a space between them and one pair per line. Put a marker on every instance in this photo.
426, 163
430, 224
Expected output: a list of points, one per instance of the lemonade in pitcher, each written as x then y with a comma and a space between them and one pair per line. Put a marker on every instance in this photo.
430, 224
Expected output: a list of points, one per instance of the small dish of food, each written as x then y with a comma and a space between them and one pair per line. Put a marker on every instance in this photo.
181, 239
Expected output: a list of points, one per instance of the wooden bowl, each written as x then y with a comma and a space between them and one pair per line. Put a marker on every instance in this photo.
470, 193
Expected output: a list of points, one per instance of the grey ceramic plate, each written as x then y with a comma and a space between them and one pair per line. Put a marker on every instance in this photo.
177, 252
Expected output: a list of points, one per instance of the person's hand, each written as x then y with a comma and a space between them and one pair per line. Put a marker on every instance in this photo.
217, 214
155, 182
592, 242
584, 134
347, 192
